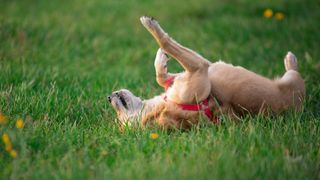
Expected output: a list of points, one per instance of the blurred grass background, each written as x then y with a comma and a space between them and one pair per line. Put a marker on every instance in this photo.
59, 60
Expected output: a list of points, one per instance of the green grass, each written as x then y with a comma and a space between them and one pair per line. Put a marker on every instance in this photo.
59, 60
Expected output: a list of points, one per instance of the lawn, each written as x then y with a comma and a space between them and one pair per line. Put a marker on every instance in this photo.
60, 59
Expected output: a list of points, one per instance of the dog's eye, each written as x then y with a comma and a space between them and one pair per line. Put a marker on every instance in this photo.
123, 101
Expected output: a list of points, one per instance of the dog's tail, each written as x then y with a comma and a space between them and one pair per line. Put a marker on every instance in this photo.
291, 62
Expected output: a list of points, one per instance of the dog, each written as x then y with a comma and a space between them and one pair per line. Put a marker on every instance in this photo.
206, 89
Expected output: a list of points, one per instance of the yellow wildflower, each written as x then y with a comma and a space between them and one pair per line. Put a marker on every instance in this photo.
13, 153
3, 119
279, 16
19, 123
5, 138
104, 153
154, 136
268, 13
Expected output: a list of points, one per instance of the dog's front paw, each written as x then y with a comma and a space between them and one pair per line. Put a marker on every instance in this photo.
161, 58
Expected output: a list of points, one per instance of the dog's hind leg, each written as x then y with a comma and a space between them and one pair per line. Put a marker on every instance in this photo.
291, 83
161, 68
291, 62
190, 60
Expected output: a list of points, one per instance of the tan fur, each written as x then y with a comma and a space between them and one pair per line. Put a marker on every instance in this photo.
169, 116
233, 90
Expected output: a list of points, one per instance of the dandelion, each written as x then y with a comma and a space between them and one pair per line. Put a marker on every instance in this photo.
19, 123
268, 13
3, 119
6, 142
104, 153
13, 153
279, 16
5, 138
154, 136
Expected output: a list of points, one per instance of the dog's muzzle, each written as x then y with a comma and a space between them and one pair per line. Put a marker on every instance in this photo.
120, 97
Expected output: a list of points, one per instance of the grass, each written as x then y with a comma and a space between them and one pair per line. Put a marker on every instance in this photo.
59, 60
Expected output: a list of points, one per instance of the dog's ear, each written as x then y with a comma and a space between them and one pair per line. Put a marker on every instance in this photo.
174, 118
167, 120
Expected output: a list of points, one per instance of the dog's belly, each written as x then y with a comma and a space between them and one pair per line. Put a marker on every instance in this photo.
243, 90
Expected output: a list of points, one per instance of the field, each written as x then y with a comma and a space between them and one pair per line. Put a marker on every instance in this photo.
60, 59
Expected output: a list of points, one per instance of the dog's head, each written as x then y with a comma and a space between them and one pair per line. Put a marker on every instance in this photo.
127, 105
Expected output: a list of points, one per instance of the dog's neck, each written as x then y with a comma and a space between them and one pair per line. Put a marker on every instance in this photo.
134, 116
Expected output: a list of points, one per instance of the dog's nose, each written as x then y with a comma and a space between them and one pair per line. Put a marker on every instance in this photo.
109, 99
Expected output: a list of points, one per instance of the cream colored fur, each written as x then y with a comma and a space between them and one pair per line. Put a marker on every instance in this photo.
233, 90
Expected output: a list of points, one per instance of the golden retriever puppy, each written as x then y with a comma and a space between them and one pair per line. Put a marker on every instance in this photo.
206, 89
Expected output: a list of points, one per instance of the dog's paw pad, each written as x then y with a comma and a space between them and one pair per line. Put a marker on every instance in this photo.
290, 62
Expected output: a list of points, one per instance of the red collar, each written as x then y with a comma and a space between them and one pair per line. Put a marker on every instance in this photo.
202, 106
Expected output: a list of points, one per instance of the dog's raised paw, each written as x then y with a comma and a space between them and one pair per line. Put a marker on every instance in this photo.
290, 62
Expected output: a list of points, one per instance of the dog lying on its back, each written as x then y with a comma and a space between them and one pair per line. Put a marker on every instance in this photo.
205, 86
